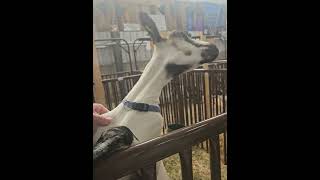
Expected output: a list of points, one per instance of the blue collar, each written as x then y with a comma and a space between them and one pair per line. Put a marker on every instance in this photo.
141, 106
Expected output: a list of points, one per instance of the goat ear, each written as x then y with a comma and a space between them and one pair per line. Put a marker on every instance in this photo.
150, 27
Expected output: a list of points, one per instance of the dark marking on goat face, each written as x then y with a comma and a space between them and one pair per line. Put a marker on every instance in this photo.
187, 53
176, 69
209, 54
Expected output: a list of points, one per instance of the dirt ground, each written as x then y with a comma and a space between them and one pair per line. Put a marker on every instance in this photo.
200, 163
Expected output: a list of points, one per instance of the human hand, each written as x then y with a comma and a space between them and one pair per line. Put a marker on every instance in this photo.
98, 119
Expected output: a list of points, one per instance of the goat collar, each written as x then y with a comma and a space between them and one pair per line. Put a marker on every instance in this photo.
141, 106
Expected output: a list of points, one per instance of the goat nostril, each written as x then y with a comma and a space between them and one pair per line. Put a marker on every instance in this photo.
203, 54
188, 53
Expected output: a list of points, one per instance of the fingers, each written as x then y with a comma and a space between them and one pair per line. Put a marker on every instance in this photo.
99, 108
101, 120
103, 110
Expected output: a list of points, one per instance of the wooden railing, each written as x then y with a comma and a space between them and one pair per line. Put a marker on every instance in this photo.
145, 155
188, 99
119, 74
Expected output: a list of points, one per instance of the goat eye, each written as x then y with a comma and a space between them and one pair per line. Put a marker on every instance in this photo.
187, 53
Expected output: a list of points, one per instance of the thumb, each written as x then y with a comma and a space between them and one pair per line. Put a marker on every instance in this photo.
101, 120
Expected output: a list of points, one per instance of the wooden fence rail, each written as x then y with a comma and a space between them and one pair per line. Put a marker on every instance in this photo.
144, 156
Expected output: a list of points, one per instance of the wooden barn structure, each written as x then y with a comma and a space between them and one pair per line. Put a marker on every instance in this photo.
196, 100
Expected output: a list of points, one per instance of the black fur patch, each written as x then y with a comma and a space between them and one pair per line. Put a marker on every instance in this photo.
209, 54
175, 69
113, 140
150, 27
187, 53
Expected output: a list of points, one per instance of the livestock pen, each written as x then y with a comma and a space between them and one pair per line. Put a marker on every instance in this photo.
189, 100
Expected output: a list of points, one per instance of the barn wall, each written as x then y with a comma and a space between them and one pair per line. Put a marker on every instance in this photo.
110, 15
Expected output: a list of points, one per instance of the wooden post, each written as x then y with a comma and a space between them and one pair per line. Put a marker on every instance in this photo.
207, 94
117, 52
115, 33
206, 83
186, 163
215, 166
98, 86
207, 89
207, 102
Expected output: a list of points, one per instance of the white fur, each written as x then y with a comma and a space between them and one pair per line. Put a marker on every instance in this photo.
148, 125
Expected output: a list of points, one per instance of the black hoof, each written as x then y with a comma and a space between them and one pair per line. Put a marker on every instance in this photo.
113, 140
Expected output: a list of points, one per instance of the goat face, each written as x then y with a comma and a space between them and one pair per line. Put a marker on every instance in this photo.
178, 52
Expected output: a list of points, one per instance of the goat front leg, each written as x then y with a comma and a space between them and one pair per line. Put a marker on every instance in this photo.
113, 140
